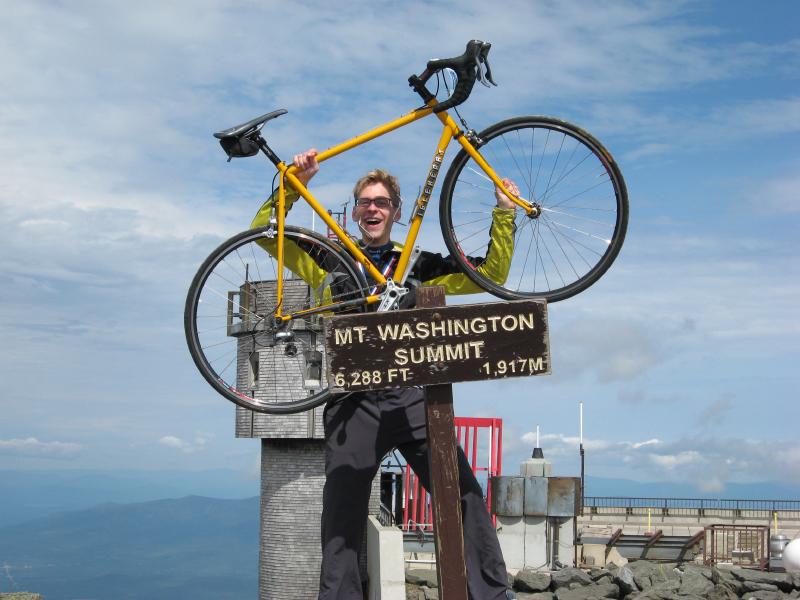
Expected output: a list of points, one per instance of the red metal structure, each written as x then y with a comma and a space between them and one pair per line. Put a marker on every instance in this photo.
341, 218
417, 500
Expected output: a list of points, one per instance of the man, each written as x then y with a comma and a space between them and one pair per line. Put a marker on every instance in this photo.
360, 428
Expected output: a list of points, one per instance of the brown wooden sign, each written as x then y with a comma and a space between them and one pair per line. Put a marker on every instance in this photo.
428, 346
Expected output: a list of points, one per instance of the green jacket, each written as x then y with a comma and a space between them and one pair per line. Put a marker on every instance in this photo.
430, 268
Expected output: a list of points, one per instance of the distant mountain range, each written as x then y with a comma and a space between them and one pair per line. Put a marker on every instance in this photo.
192, 548
26, 495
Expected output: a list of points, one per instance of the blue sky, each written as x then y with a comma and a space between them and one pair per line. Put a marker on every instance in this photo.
112, 192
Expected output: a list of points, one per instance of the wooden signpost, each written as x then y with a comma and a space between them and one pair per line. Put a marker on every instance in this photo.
434, 346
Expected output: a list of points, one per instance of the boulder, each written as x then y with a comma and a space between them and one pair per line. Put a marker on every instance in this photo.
647, 574
564, 577
694, 583
701, 569
725, 576
755, 586
722, 591
763, 595
528, 580
781, 580
603, 590
795, 578
430, 593
597, 573
535, 596
665, 590
414, 593
422, 577
624, 579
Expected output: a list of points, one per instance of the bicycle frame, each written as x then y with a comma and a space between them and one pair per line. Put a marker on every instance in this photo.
450, 130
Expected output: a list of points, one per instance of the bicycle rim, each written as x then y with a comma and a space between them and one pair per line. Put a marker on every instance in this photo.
233, 337
583, 200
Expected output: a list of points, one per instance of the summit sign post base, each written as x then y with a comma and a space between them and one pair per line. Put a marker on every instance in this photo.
434, 346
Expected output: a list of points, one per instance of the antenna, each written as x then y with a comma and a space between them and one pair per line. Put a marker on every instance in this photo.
537, 451
580, 405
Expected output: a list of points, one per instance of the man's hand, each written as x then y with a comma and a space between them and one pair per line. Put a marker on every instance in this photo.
503, 200
307, 165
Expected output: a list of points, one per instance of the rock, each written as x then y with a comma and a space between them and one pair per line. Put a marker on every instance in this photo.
604, 578
694, 584
722, 591
575, 585
665, 590
725, 576
795, 578
536, 596
780, 580
430, 593
763, 595
422, 577
624, 579
605, 590
565, 577
701, 569
528, 580
414, 593
597, 573
647, 574
755, 586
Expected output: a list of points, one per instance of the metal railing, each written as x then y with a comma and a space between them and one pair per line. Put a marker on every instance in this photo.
697, 506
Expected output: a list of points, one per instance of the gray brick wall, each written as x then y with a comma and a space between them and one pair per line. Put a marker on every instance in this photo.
292, 479
279, 373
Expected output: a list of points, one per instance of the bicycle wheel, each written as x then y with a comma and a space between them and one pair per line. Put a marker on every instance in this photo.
572, 179
235, 341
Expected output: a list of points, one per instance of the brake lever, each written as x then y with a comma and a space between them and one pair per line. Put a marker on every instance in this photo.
488, 73
485, 72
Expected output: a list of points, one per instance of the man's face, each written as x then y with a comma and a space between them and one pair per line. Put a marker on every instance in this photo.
374, 221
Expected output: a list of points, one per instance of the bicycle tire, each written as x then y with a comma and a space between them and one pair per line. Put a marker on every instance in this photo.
583, 200
235, 342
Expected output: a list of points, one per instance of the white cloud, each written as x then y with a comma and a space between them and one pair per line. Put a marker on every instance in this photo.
780, 195
610, 348
32, 447
187, 446
650, 442
706, 462
670, 461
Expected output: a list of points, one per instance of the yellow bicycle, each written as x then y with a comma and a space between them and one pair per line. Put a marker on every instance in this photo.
253, 324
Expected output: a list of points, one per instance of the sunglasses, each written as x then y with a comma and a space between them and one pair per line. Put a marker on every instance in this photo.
380, 202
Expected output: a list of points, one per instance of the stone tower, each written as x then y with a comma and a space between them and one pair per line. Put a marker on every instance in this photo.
292, 455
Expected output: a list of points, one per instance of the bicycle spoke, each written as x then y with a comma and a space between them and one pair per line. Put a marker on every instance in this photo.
566, 245
251, 358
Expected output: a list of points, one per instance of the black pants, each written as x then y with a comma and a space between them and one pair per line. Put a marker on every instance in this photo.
359, 430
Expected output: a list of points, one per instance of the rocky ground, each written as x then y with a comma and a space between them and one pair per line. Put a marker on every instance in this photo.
639, 580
